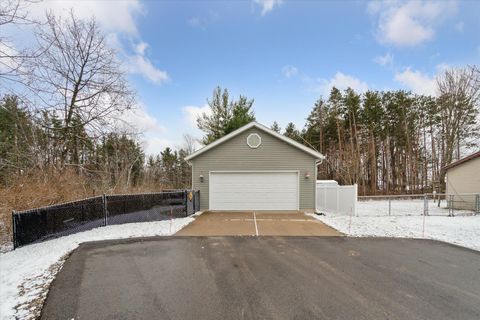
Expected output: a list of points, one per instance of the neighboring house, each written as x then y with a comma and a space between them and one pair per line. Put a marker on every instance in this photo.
255, 168
463, 182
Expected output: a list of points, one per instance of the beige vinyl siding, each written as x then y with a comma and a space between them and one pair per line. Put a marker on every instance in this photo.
464, 178
273, 154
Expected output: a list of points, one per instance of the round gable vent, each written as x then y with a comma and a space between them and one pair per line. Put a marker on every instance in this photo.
254, 140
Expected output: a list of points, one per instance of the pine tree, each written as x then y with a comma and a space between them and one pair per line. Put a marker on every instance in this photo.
292, 132
226, 115
275, 127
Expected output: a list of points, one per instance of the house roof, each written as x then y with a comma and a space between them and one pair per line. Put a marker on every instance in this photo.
461, 161
261, 127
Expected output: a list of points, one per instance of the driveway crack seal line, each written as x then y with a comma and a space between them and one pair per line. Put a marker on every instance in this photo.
255, 220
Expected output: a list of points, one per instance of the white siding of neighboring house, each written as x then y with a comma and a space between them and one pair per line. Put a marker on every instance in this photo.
464, 178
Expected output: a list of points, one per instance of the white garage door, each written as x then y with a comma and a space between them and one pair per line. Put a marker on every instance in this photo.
253, 190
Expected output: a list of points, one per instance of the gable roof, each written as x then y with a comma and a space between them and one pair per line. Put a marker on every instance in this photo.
461, 161
261, 127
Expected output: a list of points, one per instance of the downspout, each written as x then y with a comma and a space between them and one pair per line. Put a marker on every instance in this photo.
317, 163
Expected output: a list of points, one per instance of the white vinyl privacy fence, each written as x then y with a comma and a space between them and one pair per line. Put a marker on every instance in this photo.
341, 200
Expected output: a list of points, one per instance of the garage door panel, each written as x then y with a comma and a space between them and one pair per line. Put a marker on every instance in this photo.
254, 191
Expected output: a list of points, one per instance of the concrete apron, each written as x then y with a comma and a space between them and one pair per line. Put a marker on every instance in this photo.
256, 223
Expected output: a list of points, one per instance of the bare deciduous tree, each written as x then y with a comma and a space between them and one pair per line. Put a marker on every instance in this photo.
78, 77
459, 99
189, 143
12, 59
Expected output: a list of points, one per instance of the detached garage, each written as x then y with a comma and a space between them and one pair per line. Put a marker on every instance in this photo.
255, 168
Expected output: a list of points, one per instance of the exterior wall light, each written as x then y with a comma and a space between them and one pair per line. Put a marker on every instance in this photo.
307, 175
201, 178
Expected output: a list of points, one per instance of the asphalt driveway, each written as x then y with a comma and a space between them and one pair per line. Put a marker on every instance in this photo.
260, 223
267, 278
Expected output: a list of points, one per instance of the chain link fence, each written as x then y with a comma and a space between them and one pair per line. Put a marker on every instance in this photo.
450, 218
423, 204
40, 224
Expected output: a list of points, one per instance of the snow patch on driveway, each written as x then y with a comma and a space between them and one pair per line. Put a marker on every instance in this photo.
26, 273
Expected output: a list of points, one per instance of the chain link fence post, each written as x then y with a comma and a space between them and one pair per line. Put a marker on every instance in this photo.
425, 205
194, 201
104, 207
197, 203
450, 205
185, 197
477, 204
13, 230
389, 206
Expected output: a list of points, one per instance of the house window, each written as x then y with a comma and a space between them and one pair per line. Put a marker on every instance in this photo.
254, 140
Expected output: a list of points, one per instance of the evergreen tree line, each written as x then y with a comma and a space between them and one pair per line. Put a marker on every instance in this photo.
394, 141
29, 144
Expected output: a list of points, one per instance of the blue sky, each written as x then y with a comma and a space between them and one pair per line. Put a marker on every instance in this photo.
284, 54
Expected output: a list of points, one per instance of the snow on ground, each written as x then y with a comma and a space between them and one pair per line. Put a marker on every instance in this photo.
406, 221
400, 207
5, 247
26, 273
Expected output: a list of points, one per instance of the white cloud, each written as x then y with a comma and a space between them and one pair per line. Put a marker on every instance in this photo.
289, 71
341, 81
139, 119
417, 82
195, 22
136, 61
323, 86
8, 62
155, 145
384, 60
118, 16
141, 47
139, 64
267, 5
117, 19
409, 23
191, 113
152, 133
203, 21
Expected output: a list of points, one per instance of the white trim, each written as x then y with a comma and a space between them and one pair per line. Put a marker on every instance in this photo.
259, 140
192, 177
253, 171
255, 220
229, 136
314, 186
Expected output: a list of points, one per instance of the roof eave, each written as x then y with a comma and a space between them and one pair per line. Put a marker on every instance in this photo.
313, 153
462, 161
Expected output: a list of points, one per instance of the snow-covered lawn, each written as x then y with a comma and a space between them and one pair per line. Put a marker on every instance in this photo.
400, 207
26, 273
407, 221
